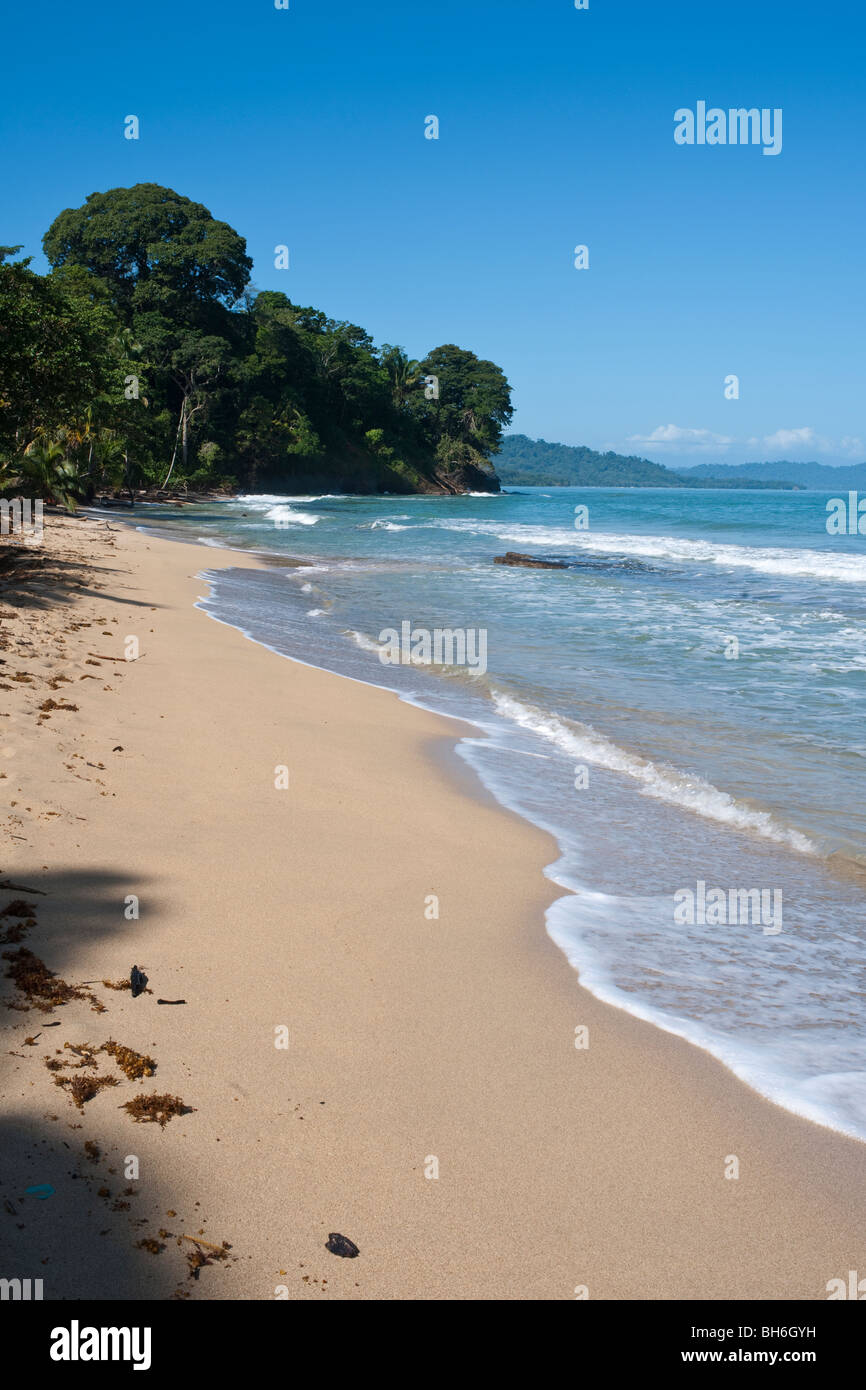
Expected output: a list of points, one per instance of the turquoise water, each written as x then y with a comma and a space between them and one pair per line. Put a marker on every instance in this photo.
684, 705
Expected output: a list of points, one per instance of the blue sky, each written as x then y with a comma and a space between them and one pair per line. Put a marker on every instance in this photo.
306, 127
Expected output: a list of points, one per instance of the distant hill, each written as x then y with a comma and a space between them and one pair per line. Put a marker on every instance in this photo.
812, 475
536, 463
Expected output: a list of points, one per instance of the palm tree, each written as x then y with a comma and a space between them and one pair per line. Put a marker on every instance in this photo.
46, 467
403, 372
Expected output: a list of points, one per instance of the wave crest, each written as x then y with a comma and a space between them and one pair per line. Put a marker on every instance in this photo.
663, 782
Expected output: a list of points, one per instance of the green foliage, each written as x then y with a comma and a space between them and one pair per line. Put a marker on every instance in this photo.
403, 373
146, 359
47, 472
55, 354
474, 399
454, 455
155, 251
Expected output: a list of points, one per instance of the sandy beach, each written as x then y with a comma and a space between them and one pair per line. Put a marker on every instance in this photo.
430, 1103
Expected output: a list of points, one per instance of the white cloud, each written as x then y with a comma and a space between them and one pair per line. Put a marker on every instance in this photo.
793, 440
807, 442
799, 442
676, 438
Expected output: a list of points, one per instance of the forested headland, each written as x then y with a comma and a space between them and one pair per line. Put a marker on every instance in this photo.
144, 359
525, 462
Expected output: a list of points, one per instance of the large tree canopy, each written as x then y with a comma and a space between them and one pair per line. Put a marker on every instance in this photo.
156, 250
144, 358
474, 399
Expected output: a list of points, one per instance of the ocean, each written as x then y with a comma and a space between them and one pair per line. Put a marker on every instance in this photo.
682, 708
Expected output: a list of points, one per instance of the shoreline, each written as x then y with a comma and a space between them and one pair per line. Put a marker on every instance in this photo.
409, 1039
747, 1064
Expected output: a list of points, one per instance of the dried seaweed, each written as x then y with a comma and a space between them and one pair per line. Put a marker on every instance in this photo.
198, 1258
134, 1065
156, 1109
15, 932
219, 1252
40, 986
84, 1088
44, 989
25, 913
122, 984
18, 908
85, 1052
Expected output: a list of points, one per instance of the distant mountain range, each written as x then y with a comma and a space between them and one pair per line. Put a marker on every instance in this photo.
810, 475
536, 463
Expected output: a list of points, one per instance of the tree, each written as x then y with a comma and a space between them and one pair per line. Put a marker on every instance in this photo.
47, 469
473, 403
155, 250
145, 356
402, 373
55, 353
196, 365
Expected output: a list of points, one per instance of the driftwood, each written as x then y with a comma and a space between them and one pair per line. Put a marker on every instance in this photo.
102, 657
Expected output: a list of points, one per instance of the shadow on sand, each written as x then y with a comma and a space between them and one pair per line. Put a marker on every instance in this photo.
74, 1239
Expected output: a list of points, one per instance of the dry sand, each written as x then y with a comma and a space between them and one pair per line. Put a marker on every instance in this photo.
409, 1038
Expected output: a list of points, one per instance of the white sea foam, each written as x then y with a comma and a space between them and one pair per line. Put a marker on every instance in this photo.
364, 642
288, 516
589, 927
664, 783
840, 567
263, 500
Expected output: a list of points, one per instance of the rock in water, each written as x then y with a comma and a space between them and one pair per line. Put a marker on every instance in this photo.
138, 981
532, 562
342, 1245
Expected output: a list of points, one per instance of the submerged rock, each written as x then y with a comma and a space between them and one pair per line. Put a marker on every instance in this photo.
514, 557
